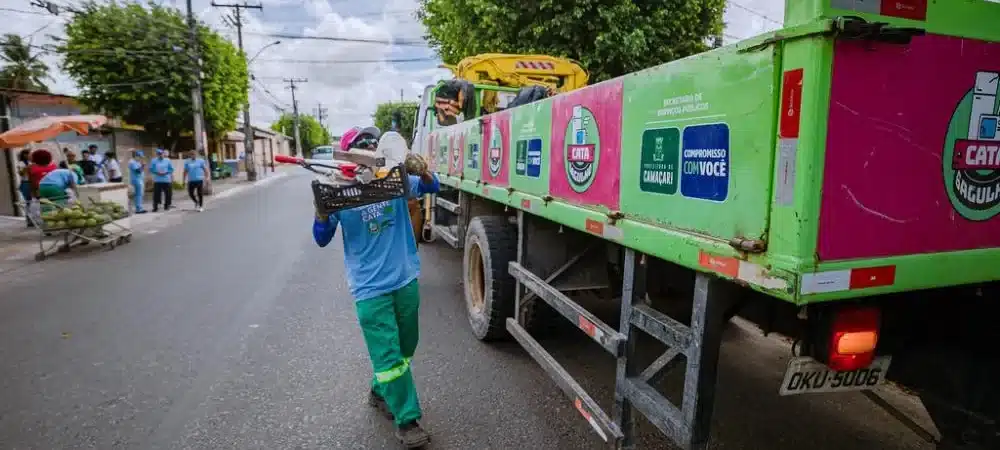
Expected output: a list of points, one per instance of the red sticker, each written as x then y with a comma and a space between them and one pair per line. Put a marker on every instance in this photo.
525, 204
595, 227
906, 9
870, 277
791, 103
725, 265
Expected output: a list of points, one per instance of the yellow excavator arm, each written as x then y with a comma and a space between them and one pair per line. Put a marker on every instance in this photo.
516, 71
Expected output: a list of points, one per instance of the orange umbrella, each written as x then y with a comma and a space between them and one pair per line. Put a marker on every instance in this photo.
48, 127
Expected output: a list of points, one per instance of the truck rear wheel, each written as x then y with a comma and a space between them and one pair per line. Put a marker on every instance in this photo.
490, 244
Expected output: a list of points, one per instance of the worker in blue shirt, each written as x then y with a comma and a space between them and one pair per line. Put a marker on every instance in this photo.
380, 254
195, 171
136, 179
163, 180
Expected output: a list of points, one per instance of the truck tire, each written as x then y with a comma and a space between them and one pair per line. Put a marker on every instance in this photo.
490, 244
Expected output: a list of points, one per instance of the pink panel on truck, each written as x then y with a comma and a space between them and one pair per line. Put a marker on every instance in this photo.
586, 145
913, 149
496, 143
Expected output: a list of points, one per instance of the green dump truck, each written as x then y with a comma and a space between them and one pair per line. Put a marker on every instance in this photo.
837, 181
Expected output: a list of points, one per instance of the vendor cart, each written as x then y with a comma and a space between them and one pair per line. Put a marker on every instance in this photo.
64, 222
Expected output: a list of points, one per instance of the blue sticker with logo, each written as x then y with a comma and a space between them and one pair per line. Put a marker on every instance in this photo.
473, 156
705, 162
534, 158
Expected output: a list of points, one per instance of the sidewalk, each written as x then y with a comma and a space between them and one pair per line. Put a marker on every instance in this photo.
19, 244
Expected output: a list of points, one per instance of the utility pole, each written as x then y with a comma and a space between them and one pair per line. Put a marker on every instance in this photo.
200, 137
248, 148
295, 112
320, 114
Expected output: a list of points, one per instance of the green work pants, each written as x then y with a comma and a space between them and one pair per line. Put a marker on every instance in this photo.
391, 330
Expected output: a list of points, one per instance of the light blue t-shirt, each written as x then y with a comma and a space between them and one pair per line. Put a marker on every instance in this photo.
164, 165
135, 171
60, 178
380, 251
195, 169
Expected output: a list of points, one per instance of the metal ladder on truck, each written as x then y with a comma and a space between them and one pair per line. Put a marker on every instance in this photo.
686, 424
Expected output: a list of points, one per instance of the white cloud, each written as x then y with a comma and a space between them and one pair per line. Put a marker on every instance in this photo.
349, 92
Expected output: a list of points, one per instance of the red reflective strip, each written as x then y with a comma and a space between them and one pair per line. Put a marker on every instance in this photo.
869, 277
725, 265
525, 204
587, 326
907, 9
579, 407
791, 103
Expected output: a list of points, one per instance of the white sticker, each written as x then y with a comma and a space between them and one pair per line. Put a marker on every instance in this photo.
784, 188
756, 274
833, 281
614, 233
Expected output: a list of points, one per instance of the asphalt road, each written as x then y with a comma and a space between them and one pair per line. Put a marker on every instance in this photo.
232, 330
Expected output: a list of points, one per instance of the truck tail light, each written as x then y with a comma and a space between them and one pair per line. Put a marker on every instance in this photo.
854, 338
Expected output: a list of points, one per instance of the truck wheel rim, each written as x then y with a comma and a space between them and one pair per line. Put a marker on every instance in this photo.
477, 279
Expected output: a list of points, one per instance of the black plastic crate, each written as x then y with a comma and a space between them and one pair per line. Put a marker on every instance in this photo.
332, 199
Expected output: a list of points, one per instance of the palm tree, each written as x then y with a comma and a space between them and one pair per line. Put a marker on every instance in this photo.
21, 69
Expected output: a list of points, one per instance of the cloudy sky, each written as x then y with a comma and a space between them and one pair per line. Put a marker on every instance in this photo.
348, 90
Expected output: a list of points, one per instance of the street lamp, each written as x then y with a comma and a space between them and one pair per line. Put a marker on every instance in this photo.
248, 148
250, 61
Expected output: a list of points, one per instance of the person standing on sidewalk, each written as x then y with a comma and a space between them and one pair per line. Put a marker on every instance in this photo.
113, 168
74, 165
163, 180
136, 179
195, 171
380, 253
89, 167
24, 187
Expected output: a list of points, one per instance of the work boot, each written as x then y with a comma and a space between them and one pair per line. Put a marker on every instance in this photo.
376, 401
412, 435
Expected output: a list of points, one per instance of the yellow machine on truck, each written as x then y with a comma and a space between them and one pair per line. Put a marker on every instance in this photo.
526, 78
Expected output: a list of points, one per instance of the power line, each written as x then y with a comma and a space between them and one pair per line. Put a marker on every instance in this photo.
268, 91
340, 39
348, 61
132, 83
21, 11
755, 12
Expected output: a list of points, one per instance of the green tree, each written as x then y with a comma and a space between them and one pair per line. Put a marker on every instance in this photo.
134, 62
21, 69
608, 37
407, 114
312, 133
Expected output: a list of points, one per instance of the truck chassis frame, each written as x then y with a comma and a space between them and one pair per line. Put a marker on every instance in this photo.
699, 343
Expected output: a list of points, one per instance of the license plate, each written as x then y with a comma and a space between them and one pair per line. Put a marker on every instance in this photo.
808, 376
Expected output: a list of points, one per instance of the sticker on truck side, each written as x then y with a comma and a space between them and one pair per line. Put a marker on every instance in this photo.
808, 376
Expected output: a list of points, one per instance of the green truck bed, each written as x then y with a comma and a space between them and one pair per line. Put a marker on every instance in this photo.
807, 163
